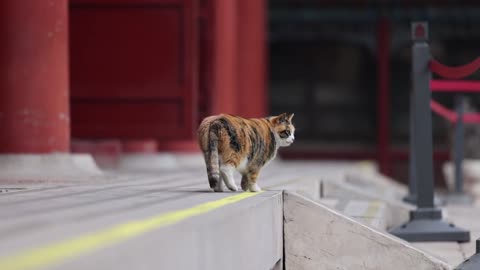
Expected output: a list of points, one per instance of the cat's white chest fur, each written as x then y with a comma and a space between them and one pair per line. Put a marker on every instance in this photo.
242, 166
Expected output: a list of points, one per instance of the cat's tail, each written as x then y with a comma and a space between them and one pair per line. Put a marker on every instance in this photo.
213, 169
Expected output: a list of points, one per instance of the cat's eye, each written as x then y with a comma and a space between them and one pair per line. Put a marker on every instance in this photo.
284, 134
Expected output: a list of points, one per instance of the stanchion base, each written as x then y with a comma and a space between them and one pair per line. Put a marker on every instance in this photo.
426, 225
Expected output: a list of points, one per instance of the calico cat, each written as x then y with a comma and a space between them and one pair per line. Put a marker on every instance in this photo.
231, 142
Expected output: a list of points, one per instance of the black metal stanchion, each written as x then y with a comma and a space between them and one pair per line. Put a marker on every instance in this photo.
412, 183
458, 196
426, 222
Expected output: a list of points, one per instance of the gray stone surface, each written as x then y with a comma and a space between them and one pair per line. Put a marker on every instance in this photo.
245, 235
397, 214
249, 231
317, 237
52, 207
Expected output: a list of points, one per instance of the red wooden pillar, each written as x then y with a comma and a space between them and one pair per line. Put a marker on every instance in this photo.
224, 70
34, 111
383, 96
251, 93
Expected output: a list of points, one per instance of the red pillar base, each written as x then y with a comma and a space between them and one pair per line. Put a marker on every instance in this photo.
28, 169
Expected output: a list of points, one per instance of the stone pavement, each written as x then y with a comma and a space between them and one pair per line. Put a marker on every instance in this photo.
41, 211
139, 218
464, 216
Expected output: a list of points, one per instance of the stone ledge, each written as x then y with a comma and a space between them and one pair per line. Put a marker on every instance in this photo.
317, 237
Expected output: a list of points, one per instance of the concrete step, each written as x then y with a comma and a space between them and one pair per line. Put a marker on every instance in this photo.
245, 235
365, 176
317, 237
363, 182
355, 187
120, 225
365, 205
398, 211
369, 211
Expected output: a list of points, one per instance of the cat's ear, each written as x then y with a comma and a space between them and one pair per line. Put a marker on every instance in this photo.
286, 117
276, 120
283, 118
289, 117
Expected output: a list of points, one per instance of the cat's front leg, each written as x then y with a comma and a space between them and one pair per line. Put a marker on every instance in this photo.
249, 181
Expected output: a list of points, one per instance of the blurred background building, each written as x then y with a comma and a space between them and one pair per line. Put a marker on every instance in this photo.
148, 71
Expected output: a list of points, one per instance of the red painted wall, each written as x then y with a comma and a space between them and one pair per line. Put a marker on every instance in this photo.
154, 68
133, 69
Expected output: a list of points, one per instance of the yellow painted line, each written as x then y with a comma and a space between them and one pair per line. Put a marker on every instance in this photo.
373, 208
365, 165
58, 252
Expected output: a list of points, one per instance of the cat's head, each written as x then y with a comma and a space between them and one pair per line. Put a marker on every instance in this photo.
283, 128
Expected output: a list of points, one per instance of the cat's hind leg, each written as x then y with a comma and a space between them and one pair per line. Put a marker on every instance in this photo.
227, 174
218, 185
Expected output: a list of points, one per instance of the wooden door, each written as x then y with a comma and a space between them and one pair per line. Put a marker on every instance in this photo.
133, 69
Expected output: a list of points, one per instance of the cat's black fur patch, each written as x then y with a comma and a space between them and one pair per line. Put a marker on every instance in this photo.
272, 147
258, 145
234, 143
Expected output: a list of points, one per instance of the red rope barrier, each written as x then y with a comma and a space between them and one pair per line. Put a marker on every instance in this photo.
471, 118
451, 116
454, 86
454, 72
